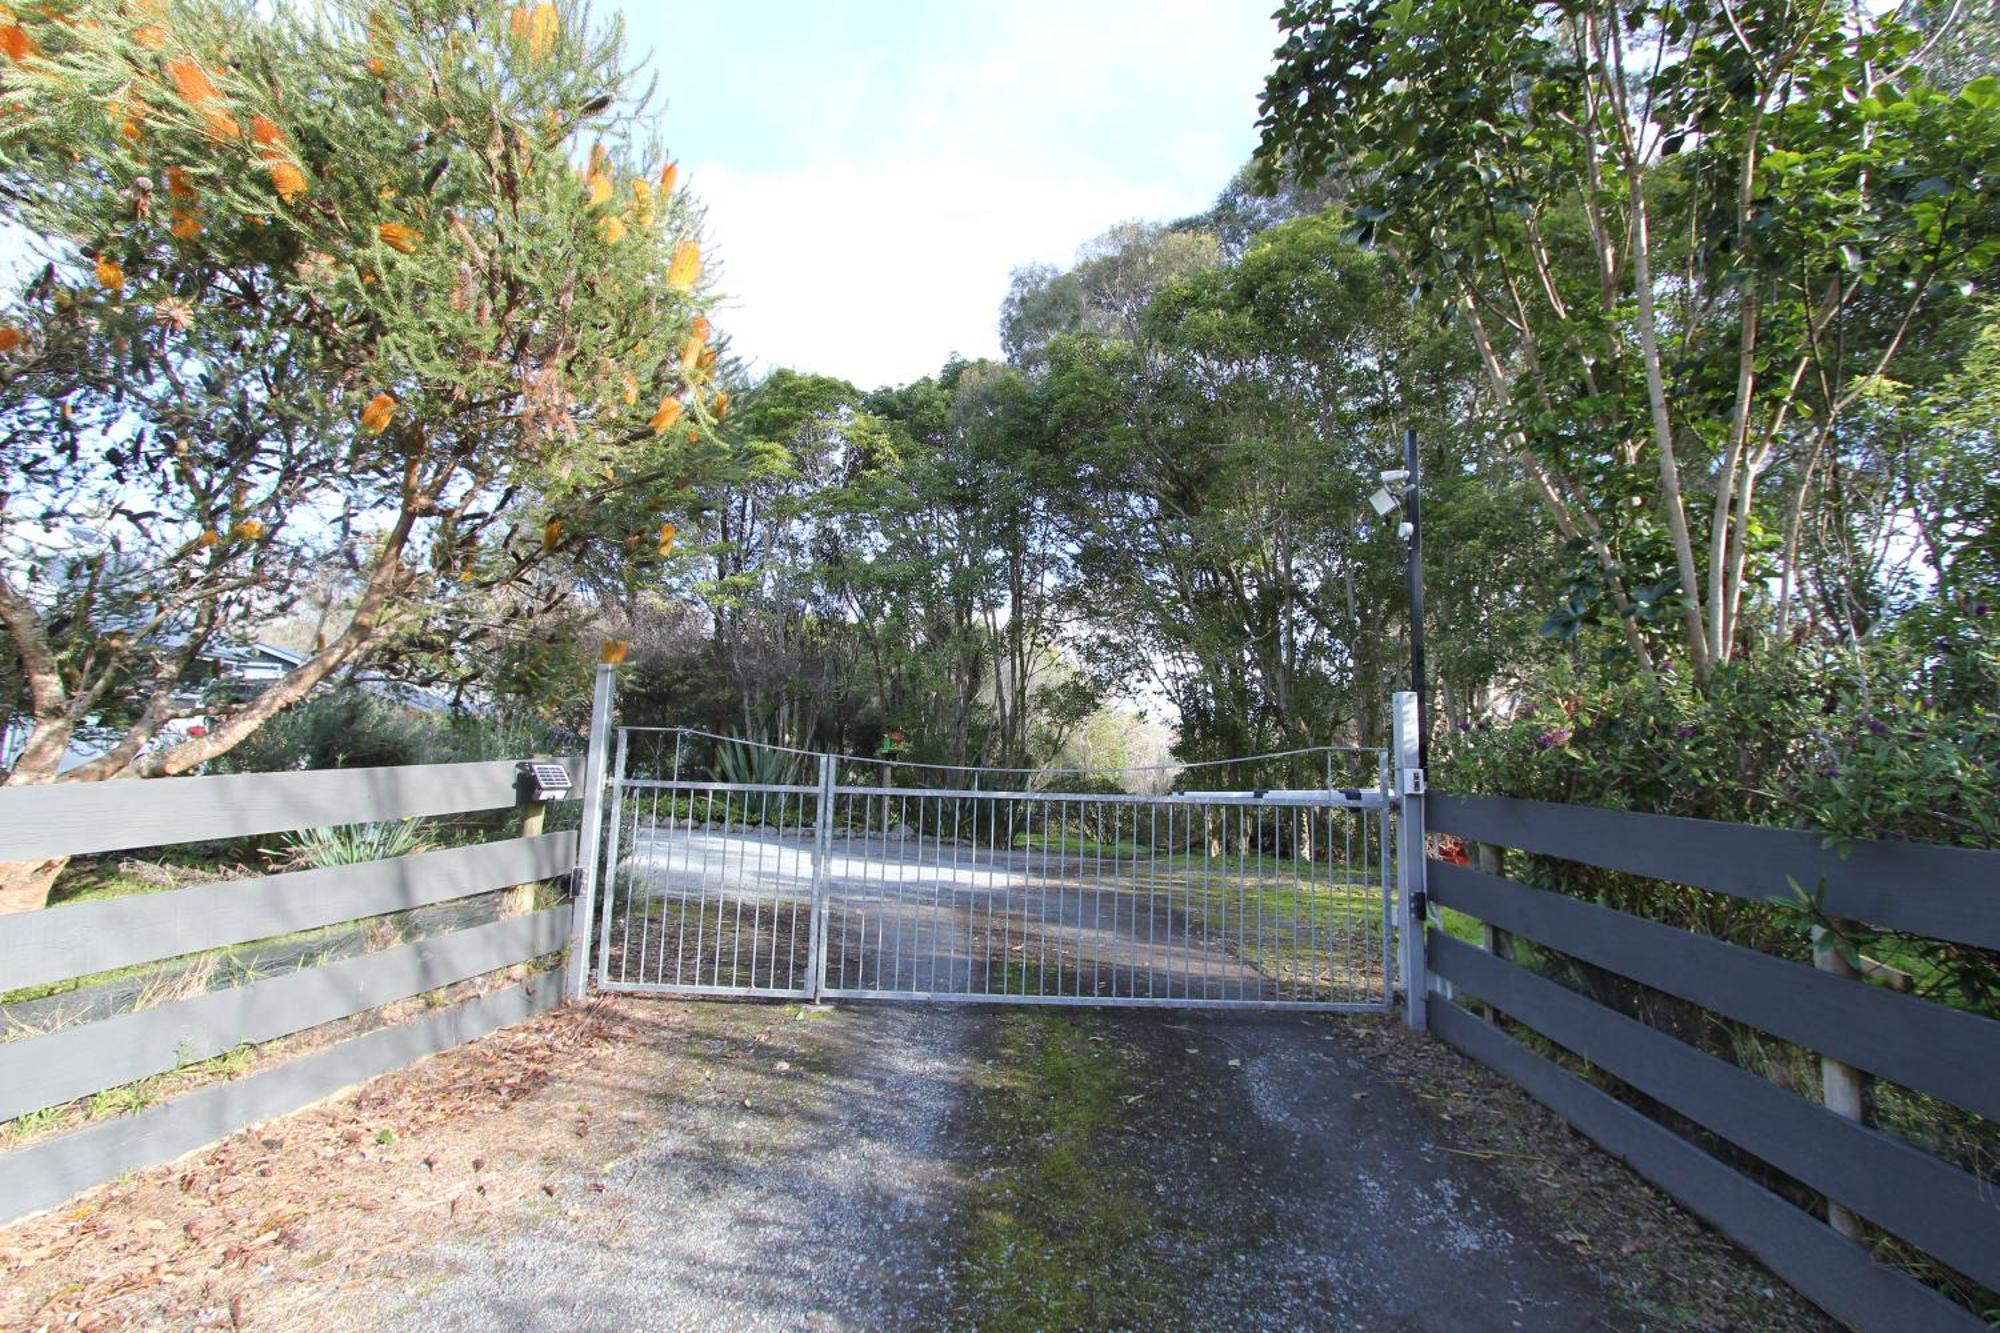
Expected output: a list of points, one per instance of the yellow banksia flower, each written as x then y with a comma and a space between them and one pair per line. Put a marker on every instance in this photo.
536, 25
665, 545
611, 230
691, 352
720, 407
600, 157
288, 181
186, 224
685, 270
551, 534
398, 237
249, 530
209, 537
669, 413
376, 416
630, 390
109, 275
600, 188
707, 361
642, 201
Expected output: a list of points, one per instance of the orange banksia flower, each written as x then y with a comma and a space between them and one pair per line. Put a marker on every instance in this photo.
721, 406
186, 224
551, 534
691, 352
16, 44
685, 270
666, 542
152, 36
701, 327
398, 237
109, 276
209, 537
289, 181
613, 652
667, 175
179, 184
10, 338
249, 530
630, 390
611, 230
707, 362
191, 81
221, 125
376, 416
669, 413
265, 131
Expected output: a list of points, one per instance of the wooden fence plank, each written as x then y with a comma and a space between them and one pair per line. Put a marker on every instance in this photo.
1934, 1206
54, 1068
42, 1175
1931, 1047
80, 938
1947, 893
80, 818
1833, 1272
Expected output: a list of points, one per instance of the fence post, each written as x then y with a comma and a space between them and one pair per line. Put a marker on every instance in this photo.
1840, 1084
1411, 881
822, 861
584, 881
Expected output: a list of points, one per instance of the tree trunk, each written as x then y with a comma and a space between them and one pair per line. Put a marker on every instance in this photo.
24, 885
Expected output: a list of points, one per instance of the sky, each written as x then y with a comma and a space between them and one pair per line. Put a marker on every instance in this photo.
874, 170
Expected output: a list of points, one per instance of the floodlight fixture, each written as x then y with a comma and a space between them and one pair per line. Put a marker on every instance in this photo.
1383, 503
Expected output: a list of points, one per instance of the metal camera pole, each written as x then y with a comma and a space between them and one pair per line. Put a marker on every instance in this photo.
1413, 515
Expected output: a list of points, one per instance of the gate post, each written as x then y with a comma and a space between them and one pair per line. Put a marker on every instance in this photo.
583, 881
822, 862
1412, 899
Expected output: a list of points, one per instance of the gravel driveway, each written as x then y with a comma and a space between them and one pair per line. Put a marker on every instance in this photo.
1277, 1183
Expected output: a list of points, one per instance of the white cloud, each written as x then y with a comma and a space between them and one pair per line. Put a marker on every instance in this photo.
867, 225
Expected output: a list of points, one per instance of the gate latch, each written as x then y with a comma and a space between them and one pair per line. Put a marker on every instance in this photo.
1412, 780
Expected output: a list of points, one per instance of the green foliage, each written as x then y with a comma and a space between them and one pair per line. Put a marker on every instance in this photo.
353, 844
373, 305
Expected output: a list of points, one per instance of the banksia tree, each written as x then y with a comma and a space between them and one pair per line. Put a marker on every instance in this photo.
394, 290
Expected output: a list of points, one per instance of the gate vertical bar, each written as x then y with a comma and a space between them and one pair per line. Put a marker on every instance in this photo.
822, 869
1411, 898
611, 859
584, 879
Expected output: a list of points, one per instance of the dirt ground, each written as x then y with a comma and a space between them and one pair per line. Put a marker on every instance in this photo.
670, 1165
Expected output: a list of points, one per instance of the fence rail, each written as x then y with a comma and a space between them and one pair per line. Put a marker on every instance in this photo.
53, 1068
1950, 893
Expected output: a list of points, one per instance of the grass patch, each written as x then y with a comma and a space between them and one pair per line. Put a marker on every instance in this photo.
1073, 844
1057, 1235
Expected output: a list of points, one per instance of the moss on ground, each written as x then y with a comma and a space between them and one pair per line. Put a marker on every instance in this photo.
1056, 1233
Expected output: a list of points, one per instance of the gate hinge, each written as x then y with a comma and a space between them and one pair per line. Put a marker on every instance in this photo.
1420, 907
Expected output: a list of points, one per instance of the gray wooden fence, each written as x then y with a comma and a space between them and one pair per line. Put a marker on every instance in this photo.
83, 939
1946, 893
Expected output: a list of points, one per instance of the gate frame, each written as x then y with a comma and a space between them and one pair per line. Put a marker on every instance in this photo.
1403, 800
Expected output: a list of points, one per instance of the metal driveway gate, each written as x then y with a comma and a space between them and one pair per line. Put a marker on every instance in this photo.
739, 869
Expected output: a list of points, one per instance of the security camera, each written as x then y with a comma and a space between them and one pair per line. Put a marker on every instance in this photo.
1405, 530
1395, 476
1383, 503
